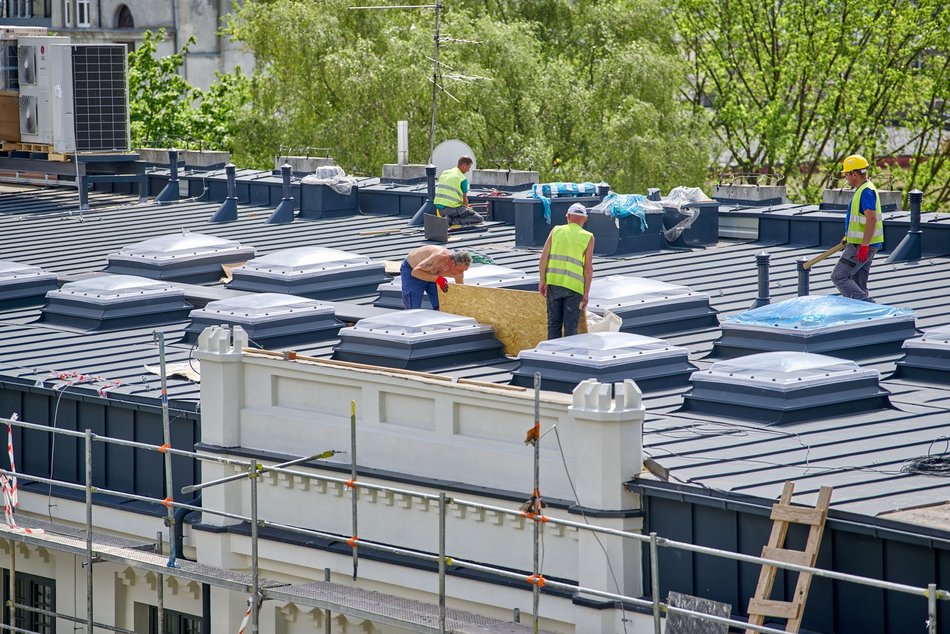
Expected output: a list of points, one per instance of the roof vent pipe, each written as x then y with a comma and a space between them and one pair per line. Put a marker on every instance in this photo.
170, 193
762, 264
402, 142
428, 207
284, 214
803, 272
227, 212
909, 248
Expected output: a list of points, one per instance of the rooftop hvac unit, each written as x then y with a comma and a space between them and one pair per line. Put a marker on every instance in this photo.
81, 91
27, 114
26, 65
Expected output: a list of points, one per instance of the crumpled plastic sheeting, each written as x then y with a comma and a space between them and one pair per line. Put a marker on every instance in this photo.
679, 198
333, 177
816, 311
625, 205
546, 191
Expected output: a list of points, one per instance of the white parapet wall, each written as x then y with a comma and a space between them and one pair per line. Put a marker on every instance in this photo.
423, 433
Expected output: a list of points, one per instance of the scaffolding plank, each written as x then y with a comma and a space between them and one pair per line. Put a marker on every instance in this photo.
414, 616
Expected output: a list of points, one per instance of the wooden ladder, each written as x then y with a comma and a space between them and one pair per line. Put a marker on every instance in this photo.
783, 514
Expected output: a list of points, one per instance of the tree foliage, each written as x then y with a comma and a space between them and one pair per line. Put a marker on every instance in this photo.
577, 89
166, 110
797, 85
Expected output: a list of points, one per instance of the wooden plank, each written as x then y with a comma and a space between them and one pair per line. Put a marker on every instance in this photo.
763, 589
797, 514
778, 609
811, 548
10, 117
797, 557
520, 318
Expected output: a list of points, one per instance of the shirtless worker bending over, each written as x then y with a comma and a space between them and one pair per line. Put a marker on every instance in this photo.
425, 268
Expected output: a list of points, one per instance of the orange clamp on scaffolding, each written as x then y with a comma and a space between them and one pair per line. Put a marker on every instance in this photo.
167, 502
537, 517
536, 580
164, 448
351, 484
352, 541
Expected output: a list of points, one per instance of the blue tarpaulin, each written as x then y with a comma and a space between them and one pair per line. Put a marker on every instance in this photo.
816, 311
624, 205
546, 191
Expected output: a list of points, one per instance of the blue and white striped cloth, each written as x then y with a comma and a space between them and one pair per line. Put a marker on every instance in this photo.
546, 191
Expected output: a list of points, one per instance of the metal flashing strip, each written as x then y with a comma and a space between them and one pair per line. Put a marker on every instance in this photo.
856, 523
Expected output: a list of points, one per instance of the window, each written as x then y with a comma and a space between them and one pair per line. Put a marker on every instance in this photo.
68, 12
19, 9
36, 592
82, 13
175, 622
123, 18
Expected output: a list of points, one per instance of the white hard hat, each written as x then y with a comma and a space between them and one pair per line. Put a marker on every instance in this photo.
577, 209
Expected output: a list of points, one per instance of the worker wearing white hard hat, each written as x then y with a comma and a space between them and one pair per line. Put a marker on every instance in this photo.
566, 270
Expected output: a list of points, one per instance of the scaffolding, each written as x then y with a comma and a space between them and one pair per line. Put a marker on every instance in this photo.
379, 608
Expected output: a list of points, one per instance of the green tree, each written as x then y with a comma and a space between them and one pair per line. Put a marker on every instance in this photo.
797, 85
577, 89
166, 110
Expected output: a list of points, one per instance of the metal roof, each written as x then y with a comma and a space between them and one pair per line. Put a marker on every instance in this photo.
860, 455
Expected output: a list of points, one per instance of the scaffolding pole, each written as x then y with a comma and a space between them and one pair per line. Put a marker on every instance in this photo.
89, 580
353, 490
442, 504
159, 337
159, 548
254, 475
536, 505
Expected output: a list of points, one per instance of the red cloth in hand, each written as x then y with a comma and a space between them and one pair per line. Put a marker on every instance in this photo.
444, 283
862, 255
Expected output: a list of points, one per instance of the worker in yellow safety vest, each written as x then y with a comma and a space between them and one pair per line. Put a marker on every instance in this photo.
451, 194
865, 232
566, 270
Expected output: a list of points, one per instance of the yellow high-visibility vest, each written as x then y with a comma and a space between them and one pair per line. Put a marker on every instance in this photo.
566, 259
857, 220
448, 191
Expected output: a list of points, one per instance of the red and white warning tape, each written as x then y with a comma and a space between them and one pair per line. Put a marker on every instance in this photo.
9, 486
247, 614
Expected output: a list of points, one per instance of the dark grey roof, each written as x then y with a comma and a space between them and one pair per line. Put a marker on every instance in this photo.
860, 455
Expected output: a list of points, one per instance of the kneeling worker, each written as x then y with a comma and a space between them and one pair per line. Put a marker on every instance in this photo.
451, 194
427, 267
864, 232
566, 270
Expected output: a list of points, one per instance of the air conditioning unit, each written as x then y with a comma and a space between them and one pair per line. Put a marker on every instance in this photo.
35, 61
82, 96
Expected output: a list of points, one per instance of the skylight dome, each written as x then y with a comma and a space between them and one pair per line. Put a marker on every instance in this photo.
418, 339
23, 284
115, 301
314, 272
184, 257
782, 387
651, 307
606, 356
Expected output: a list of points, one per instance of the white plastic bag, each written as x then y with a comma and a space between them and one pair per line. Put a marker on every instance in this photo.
608, 322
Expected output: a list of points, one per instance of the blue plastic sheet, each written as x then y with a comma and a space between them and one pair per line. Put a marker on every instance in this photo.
625, 205
816, 311
546, 191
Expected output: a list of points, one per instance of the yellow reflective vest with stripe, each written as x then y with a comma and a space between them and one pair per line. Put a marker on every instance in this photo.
448, 191
566, 258
857, 221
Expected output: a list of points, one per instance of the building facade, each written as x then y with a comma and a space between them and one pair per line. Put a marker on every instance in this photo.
126, 21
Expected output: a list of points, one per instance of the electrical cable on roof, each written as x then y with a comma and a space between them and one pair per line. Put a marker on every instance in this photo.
937, 465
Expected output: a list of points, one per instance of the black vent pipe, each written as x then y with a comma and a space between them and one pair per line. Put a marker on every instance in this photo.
803, 273
284, 213
428, 207
170, 193
909, 249
227, 212
762, 264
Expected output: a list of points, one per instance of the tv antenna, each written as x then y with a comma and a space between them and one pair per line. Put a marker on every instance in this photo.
437, 41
